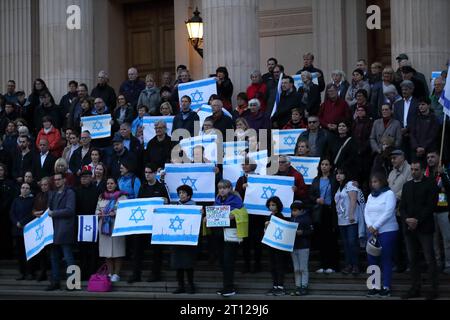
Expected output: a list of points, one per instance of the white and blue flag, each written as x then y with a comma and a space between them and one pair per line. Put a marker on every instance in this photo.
200, 91
280, 234
233, 149
262, 188
205, 111
176, 225
261, 159
98, 126
445, 97
201, 177
135, 216
87, 228
284, 141
208, 142
307, 167
149, 127
232, 169
298, 82
37, 234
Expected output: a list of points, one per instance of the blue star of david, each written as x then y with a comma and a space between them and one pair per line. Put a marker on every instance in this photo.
136, 211
265, 195
190, 182
87, 228
176, 220
39, 232
97, 125
197, 97
303, 170
278, 235
290, 141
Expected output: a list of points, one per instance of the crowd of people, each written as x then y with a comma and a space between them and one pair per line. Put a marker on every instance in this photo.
382, 175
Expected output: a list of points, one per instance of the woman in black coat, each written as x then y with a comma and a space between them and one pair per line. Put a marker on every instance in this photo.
321, 194
20, 215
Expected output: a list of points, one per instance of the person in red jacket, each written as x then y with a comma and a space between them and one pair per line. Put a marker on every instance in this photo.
333, 110
257, 89
52, 135
285, 169
298, 120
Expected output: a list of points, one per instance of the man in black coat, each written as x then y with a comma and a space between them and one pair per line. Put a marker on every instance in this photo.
221, 121
104, 91
419, 198
151, 188
22, 159
289, 100
159, 149
308, 60
86, 196
43, 162
186, 118
120, 154
61, 203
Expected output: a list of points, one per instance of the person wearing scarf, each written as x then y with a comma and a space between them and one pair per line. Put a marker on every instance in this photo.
111, 248
52, 135
150, 96
381, 222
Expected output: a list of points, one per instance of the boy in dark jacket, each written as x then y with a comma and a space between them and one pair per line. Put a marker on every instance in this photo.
300, 256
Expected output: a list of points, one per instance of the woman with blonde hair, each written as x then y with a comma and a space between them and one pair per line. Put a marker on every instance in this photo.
61, 166
150, 97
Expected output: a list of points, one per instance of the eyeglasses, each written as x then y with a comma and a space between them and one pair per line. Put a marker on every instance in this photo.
312, 122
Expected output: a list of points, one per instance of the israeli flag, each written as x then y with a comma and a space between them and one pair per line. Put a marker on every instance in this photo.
209, 143
234, 148
298, 82
149, 127
205, 111
445, 97
135, 216
261, 159
277, 97
200, 91
232, 169
37, 234
262, 188
280, 234
87, 228
200, 177
176, 225
284, 141
98, 126
307, 167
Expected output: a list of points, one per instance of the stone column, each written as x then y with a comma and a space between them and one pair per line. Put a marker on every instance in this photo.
66, 54
17, 50
231, 39
421, 29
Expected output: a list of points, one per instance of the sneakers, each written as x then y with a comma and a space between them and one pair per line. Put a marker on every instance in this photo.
384, 293
228, 293
279, 291
321, 270
329, 271
271, 292
373, 293
115, 278
296, 292
347, 269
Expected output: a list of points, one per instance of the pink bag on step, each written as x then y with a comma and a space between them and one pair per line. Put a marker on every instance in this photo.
100, 282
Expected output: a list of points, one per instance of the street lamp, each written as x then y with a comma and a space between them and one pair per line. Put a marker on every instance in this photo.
195, 30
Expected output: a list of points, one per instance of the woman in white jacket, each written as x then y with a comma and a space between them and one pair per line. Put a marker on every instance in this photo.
380, 219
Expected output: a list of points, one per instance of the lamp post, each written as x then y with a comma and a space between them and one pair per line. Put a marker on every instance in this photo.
195, 29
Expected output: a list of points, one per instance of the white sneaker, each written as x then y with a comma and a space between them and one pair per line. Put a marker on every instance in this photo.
328, 271
115, 278
320, 271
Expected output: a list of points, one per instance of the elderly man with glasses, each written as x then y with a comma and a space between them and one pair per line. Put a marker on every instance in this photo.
285, 169
159, 148
104, 91
315, 136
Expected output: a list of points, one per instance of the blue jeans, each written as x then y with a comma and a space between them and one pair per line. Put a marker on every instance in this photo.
388, 242
350, 240
55, 257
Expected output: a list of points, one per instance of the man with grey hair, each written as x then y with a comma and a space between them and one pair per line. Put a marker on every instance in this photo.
403, 61
104, 91
338, 79
406, 111
308, 60
132, 87
436, 106
309, 94
159, 148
